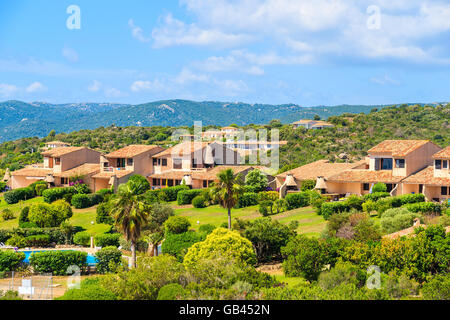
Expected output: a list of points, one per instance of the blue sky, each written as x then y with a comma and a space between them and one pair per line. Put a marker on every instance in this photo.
322, 52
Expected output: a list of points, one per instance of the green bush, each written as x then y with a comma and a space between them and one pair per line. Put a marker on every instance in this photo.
82, 238
109, 258
7, 214
23, 216
170, 194
308, 185
17, 241
279, 206
140, 183
335, 207
266, 208
412, 198
81, 201
63, 208
10, 260
375, 196
257, 180
199, 202
297, 200
152, 196
57, 262
16, 195
2, 186
49, 215
105, 192
90, 289
178, 244
42, 240
206, 228
53, 194
379, 187
177, 224
103, 214
5, 235
438, 288
355, 202
39, 188
171, 291
247, 199
107, 240
424, 207
56, 234
186, 196
95, 198
268, 195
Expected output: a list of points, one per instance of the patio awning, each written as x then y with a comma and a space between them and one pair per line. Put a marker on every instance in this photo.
320, 183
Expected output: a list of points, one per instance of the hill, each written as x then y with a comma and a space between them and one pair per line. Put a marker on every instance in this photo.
19, 119
354, 134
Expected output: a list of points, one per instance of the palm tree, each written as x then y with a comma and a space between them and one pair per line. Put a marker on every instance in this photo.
130, 214
227, 191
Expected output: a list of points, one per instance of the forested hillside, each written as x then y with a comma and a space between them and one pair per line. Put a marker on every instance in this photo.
354, 134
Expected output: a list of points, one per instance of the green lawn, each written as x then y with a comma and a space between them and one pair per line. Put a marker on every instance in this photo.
81, 218
309, 222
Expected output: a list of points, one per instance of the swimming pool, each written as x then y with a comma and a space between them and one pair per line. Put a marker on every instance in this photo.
91, 259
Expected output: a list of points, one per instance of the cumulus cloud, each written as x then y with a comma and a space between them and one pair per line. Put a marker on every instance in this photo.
35, 87
95, 86
6, 90
145, 85
137, 32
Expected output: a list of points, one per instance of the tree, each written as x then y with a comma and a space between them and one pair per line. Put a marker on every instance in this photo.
316, 117
139, 183
154, 231
227, 191
257, 180
131, 214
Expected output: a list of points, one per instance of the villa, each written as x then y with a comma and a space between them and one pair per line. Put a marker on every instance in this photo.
59, 165
312, 124
55, 144
118, 166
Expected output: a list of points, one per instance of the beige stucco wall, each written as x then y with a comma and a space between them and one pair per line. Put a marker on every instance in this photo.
342, 188
420, 158
75, 159
20, 182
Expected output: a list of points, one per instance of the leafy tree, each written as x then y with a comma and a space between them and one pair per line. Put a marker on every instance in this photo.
257, 180
131, 214
227, 191
379, 187
139, 184
177, 224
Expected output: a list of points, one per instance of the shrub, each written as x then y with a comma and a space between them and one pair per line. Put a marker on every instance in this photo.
336, 207
355, 202
40, 188
375, 196
342, 273
56, 235
53, 194
23, 216
16, 195
424, 207
140, 183
7, 214
308, 185
107, 240
438, 288
266, 208
95, 198
178, 244
257, 180
297, 200
42, 240
152, 196
46, 215
268, 195
57, 262
17, 241
369, 206
279, 206
397, 219
103, 214
5, 235
105, 192
247, 199
206, 228
81, 201
221, 242
170, 193
186, 196
199, 202
10, 260
171, 291
177, 224
379, 187
63, 208
90, 289
108, 259
82, 238
412, 198
2, 186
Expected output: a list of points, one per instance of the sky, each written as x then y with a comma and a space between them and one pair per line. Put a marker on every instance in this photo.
321, 52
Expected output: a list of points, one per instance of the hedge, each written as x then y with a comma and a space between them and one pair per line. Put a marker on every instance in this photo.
10, 260
81, 201
16, 195
177, 244
152, 196
376, 195
82, 238
108, 258
330, 208
297, 200
41, 240
57, 262
186, 196
268, 195
247, 199
424, 207
170, 194
199, 202
56, 235
51, 195
107, 240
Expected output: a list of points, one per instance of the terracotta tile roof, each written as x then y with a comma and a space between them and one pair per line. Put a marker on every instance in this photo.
32, 172
426, 177
57, 142
58, 152
321, 168
84, 169
443, 154
183, 148
397, 148
365, 176
172, 175
107, 175
133, 150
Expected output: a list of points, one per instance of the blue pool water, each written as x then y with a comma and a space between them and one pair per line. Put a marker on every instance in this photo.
91, 259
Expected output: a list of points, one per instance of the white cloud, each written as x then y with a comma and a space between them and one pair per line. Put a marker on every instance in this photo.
137, 32
95, 86
6, 90
141, 85
70, 54
384, 80
187, 76
113, 93
35, 87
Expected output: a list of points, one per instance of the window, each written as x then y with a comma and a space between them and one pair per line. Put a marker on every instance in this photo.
444, 191
155, 161
438, 164
64, 181
205, 183
366, 186
177, 182
420, 188
400, 163
444, 164
129, 162
120, 163
390, 187
386, 164
156, 182
177, 164
164, 162
57, 161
